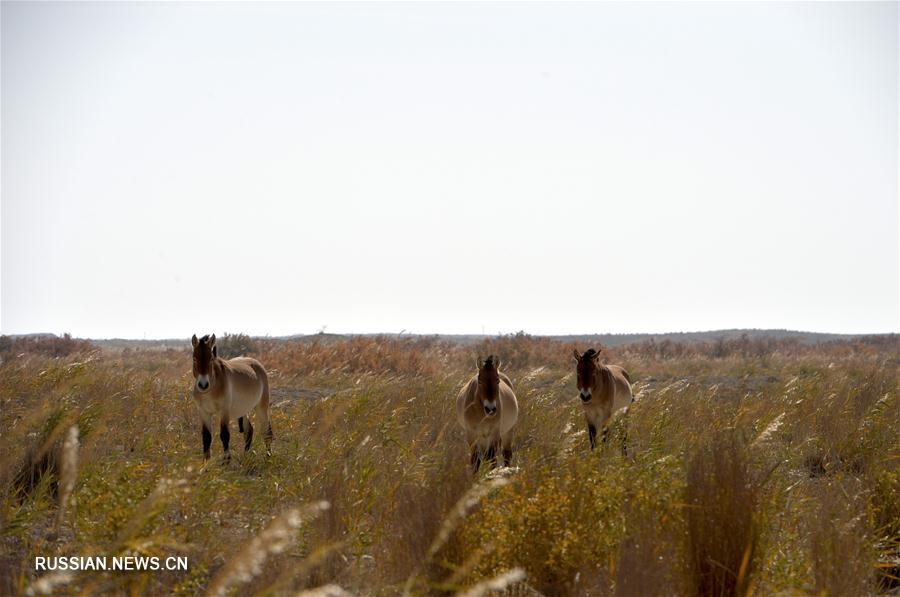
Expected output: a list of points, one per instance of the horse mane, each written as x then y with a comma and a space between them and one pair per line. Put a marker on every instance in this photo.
204, 339
590, 353
489, 362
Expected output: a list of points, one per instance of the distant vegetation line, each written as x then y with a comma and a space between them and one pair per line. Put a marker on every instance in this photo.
611, 340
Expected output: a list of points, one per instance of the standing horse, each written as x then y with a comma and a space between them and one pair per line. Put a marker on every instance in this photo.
603, 389
487, 410
229, 389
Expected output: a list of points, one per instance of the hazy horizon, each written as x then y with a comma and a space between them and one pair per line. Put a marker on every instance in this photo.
461, 334
280, 168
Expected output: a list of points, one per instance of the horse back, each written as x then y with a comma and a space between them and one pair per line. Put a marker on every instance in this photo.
246, 375
509, 405
622, 383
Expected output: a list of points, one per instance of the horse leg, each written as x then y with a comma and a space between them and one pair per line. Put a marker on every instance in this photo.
241, 424
206, 433
225, 436
475, 458
206, 436
248, 434
262, 412
592, 435
506, 449
604, 434
491, 455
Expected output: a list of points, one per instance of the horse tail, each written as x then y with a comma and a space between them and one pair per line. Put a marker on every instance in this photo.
264, 409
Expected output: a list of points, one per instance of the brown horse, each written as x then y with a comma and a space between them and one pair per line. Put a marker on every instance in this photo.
487, 410
229, 389
603, 389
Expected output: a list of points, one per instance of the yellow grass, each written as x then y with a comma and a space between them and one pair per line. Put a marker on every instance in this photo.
752, 468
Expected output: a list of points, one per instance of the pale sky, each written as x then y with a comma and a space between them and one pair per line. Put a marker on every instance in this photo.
277, 168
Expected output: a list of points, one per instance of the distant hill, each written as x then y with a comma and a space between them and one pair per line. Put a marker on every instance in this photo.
610, 339
693, 337
679, 337
582, 339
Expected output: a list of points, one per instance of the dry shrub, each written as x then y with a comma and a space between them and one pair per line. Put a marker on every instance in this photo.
427, 571
884, 507
720, 348
554, 524
521, 350
235, 345
646, 556
851, 420
746, 347
43, 457
331, 590
883, 484
43, 344
723, 523
839, 543
416, 514
356, 355
68, 470
274, 539
500, 583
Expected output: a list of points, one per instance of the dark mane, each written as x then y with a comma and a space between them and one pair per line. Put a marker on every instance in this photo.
489, 362
590, 353
204, 339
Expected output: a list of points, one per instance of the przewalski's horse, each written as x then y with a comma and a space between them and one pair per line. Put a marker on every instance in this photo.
603, 389
487, 410
229, 389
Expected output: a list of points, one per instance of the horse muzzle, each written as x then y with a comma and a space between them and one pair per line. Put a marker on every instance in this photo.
203, 383
490, 411
585, 398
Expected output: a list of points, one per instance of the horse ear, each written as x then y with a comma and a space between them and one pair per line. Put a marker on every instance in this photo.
194, 341
597, 354
478, 363
215, 351
575, 352
212, 341
496, 363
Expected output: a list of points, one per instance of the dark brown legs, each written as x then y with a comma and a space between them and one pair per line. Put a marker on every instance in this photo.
475, 459
225, 436
490, 455
207, 440
248, 435
604, 435
244, 425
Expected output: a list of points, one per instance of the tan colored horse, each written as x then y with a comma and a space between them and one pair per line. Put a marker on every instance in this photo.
603, 389
230, 390
487, 410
